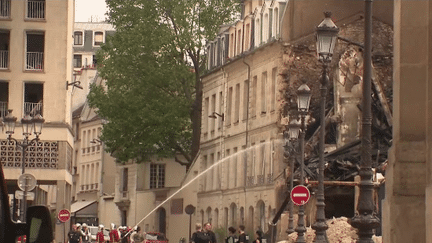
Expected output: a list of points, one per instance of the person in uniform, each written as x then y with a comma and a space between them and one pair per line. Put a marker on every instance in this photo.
114, 234
100, 235
85, 232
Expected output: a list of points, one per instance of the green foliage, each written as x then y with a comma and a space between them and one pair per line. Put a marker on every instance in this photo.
221, 234
152, 66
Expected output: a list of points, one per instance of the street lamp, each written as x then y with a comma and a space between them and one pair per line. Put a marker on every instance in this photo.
28, 124
366, 220
303, 101
290, 145
326, 34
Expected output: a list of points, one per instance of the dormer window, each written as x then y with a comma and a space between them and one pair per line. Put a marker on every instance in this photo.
98, 38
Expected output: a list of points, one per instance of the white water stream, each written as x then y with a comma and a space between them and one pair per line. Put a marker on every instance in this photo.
275, 141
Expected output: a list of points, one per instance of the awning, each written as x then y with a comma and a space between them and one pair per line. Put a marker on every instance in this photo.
88, 208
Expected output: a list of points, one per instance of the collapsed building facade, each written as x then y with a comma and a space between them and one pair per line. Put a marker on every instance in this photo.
255, 67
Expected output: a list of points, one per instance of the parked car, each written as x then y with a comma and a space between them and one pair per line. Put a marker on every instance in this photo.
155, 237
38, 227
94, 230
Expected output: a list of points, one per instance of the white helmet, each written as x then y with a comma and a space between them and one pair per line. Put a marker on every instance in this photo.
113, 226
84, 225
101, 227
78, 225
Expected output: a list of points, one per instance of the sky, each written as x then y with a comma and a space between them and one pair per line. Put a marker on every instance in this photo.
86, 10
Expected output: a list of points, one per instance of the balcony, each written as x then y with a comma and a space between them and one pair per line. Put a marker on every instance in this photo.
36, 9
34, 61
4, 59
5, 9
33, 108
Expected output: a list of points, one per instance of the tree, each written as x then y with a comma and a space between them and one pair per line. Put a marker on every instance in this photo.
152, 67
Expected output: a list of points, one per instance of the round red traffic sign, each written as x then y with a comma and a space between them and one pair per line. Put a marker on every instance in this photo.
64, 215
300, 195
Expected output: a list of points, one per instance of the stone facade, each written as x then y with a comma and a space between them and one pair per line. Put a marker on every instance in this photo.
407, 206
246, 96
36, 51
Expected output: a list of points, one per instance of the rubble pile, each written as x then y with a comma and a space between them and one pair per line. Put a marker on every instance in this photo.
339, 231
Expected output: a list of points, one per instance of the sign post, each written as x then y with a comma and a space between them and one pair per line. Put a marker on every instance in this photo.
64, 215
300, 195
190, 209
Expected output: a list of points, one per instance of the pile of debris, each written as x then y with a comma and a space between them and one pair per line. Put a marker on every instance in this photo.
339, 230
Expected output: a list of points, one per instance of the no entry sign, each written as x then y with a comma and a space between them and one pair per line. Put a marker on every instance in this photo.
64, 215
300, 195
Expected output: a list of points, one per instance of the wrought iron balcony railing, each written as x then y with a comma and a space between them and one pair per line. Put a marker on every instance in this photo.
35, 61
5, 8
35, 9
33, 108
3, 108
4, 59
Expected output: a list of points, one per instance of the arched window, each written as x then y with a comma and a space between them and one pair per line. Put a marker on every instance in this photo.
233, 214
261, 215
202, 217
216, 219
251, 219
161, 220
257, 33
208, 216
265, 34
276, 23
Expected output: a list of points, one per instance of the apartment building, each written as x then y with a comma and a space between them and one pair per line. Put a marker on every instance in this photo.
35, 68
255, 66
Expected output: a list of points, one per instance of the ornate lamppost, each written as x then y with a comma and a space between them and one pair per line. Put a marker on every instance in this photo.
28, 124
366, 221
303, 101
326, 34
290, 146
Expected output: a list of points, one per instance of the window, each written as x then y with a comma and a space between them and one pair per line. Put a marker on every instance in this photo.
33, 98
245, 99
5, 8
276, 22
239, 41
237, 104
206, 114
257, 32
270, 24
157, 176
265, 31
263, 92
220, 110
254, 96
36, 9
273, 89
124, 185
4, 49
204, 167
98, 38
4, 97
229, 105
77, 62
94, 60
78, 38
247, 38
35, 51
213, 109
232, 46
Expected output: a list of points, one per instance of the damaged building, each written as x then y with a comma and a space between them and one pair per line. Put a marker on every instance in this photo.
255, 66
